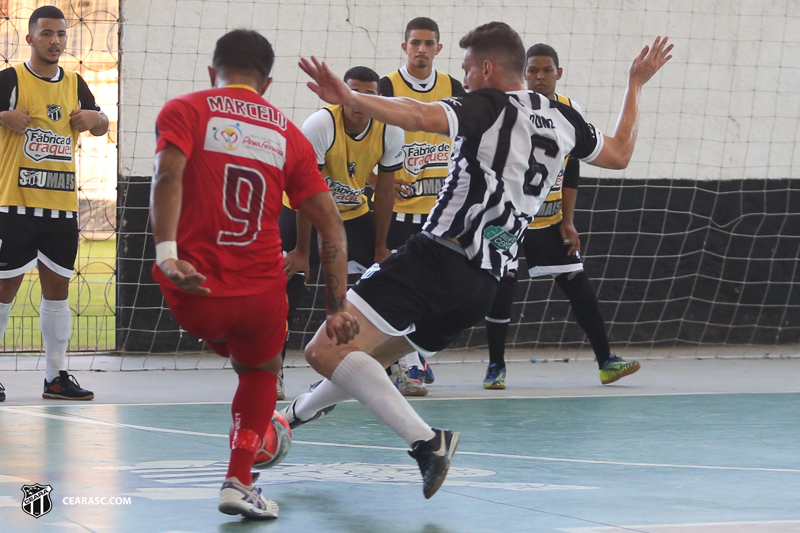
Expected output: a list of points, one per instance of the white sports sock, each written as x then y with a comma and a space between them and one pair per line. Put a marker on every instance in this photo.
325, 395
56, 322
412, 359
365, 378
5, 312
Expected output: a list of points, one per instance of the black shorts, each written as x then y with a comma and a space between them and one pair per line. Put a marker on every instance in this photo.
427, 292
360, 240
546, 253
24, 239
403, 226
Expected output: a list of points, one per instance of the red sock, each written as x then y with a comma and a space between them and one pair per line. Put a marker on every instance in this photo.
252, 408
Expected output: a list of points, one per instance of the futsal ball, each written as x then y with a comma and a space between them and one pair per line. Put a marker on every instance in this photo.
276, 445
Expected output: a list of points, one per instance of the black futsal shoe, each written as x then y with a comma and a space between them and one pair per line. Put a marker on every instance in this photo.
433, 457
65, 387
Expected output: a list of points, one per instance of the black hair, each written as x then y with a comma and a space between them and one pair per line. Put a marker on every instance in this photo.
244, 51
364, 74
44, 12
499, 41
541, 49
422, 23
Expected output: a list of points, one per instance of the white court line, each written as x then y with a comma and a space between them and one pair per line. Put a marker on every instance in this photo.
425, 399
94, 422
389, 448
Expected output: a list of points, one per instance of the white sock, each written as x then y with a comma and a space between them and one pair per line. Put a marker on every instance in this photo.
56, 321
365, 378
412, 359
5, 312
325, 395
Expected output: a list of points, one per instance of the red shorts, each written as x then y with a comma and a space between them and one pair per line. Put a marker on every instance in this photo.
252, 329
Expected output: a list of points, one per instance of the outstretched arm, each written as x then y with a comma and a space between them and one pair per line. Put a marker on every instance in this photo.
618, 148
407, 113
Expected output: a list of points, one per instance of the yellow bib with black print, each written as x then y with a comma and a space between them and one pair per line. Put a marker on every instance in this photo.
349, 162
426, 155
38, 168
550, 212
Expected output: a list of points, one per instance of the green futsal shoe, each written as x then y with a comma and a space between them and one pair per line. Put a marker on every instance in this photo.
495, 377
615, 368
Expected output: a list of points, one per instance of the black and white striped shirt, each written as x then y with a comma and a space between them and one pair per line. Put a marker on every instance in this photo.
509, 149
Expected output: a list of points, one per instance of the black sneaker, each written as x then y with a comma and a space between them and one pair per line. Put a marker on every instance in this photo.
65, 387
2, 393
433, 457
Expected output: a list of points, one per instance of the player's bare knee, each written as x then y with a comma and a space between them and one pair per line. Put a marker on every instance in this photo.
315, 352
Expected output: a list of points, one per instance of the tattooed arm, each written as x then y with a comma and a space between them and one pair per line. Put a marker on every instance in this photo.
323, 214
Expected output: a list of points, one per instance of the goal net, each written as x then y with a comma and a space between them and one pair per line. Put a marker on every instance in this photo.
695, 243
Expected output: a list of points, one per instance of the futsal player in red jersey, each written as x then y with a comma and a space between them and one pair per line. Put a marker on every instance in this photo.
224, 158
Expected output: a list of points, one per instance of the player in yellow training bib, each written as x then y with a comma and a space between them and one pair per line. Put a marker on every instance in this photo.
43, 110
552, 247
425, 162
348, 146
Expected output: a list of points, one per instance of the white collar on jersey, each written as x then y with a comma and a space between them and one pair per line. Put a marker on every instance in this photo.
416, 83
57, 77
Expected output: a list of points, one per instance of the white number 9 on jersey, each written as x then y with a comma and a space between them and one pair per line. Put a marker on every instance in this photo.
243, 193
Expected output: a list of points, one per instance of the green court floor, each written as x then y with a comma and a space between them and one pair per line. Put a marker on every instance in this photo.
683, 462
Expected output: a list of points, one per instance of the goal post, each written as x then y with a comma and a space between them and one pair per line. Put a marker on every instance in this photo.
695, 243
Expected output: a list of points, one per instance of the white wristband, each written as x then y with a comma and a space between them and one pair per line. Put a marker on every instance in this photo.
166, 250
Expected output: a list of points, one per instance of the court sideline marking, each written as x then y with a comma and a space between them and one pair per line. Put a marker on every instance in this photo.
92, 421
430, 399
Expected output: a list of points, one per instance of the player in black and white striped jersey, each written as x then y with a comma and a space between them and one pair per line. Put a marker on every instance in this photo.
510, 144
552, 247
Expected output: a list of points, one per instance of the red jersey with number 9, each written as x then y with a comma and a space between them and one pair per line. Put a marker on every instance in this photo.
242, 154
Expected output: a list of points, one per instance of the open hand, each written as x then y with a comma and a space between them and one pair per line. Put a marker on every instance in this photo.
328, 86
184, 276
650, 60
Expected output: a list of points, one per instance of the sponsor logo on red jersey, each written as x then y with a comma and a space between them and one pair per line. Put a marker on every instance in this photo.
246, 140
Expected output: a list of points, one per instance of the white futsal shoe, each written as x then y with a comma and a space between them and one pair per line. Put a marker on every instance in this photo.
236, 498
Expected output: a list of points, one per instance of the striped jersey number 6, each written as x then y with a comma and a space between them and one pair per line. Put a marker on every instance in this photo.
243, 195
537, 173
